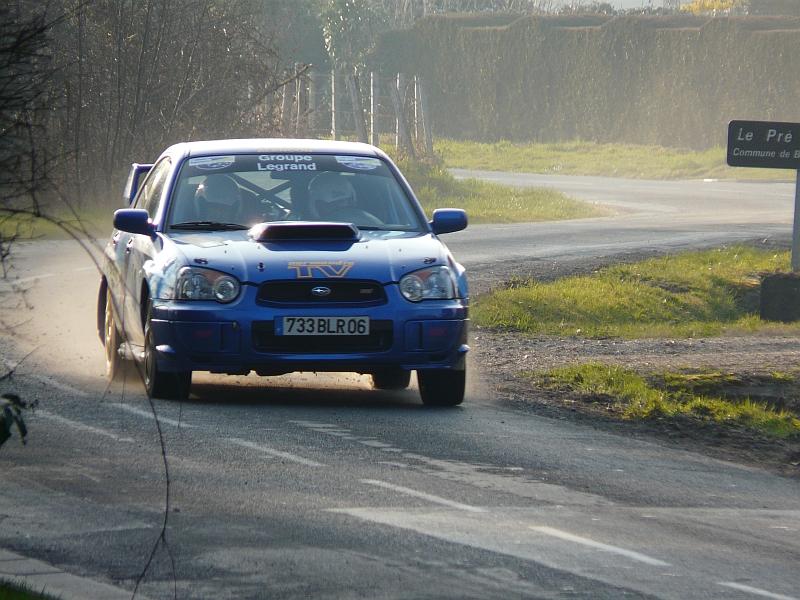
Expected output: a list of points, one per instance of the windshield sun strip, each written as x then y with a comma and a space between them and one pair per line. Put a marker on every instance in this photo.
419, 217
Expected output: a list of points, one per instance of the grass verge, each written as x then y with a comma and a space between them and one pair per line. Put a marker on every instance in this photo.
96, 221
14, 591
676, 396
695, 294
591, 158
490, 202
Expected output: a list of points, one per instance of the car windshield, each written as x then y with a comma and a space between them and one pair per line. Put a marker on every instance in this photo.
223, 192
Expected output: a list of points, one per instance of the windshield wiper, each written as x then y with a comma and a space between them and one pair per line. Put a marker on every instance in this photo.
208, 226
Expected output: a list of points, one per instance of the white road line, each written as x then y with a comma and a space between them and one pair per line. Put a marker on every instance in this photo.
600, 546
149, 415
82, 426
314, 424
754, 591
422, 495
58, 385
90, 268
276, 453
375, 444
45, 379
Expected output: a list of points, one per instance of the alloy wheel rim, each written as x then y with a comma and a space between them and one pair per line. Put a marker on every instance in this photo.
108, 336
148, 360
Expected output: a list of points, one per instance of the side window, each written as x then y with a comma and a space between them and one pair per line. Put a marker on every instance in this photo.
150, 194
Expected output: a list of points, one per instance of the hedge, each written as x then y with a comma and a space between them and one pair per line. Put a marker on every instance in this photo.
673, 81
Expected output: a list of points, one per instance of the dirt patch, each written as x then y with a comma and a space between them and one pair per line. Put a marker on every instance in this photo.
737, 444
747, 365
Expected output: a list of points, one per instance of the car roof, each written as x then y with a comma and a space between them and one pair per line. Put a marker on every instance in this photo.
269, 146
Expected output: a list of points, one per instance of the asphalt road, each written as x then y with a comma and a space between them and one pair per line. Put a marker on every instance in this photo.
650, 217
315, 486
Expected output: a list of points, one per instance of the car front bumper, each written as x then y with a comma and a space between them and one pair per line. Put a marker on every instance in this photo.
239, 338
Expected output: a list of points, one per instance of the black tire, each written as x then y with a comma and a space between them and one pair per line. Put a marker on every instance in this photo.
111, 341
442, 387
161, 384
391, 379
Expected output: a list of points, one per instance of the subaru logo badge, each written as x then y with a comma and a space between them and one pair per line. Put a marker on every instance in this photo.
321, 291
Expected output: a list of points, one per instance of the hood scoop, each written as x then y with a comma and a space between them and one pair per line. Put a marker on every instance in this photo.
282, 231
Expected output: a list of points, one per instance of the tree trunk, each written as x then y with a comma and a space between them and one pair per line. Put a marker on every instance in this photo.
312, 102
404, 142
286, 108
358, 109
426, 117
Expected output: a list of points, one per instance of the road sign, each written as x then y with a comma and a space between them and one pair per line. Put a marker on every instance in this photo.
764, 144
770, 146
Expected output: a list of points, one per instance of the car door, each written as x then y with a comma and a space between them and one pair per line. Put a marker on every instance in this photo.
139, 249
115, 254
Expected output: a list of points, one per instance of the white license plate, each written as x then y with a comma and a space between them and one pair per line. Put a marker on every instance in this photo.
323, 326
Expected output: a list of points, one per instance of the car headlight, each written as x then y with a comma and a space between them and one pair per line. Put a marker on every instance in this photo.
433, 283
206, 284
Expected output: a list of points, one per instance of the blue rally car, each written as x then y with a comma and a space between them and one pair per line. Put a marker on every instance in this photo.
277, 256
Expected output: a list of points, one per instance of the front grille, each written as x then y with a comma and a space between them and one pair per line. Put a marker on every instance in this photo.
346, 291
379, 340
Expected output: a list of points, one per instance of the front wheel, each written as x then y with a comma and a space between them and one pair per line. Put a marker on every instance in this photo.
158, 383
439, 387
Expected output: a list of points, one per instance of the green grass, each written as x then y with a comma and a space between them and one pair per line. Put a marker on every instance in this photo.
489, 202
688, 295
632, 396
13, 591
591, 158
96, 221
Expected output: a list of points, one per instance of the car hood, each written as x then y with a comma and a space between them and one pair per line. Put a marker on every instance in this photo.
383, 256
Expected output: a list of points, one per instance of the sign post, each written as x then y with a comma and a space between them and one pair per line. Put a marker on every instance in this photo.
768, 145
796, 228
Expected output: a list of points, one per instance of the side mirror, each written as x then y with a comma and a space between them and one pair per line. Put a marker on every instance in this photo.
134, 220
135, 177
448, 220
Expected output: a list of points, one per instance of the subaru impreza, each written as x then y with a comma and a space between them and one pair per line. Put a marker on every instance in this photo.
276, 256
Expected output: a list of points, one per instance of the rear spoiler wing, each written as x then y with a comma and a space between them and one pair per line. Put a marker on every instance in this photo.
135, 177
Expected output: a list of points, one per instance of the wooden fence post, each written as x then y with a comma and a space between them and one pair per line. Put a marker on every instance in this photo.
415, 110
333, 104
299, 89
374, 135
426, 118
393, 87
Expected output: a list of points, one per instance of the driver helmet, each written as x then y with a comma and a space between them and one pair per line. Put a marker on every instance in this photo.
329, 193
221, 195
